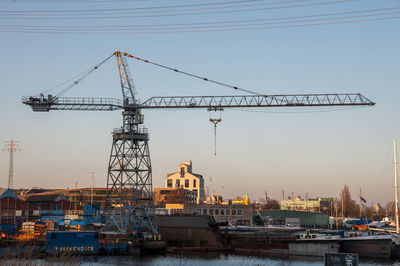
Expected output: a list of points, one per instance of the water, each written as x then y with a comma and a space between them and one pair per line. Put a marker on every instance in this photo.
186, 260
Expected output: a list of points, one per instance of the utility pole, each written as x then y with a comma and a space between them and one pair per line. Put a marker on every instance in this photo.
396, 194
11, 146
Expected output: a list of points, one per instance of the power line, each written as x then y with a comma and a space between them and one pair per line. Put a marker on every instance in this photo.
199, 23
27, 17
148, 8
54, 166
49, 31
183, 26
72, 1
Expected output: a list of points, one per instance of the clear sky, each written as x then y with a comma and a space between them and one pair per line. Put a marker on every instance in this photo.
282, 47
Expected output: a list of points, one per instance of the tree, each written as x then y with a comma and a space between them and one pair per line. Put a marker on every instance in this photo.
272, 204
349, 205
390, 209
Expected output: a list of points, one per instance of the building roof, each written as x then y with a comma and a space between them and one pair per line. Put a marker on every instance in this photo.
314, 218
46, 197
199, 176
6, 192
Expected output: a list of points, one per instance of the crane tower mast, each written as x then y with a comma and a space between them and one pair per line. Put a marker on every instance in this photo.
129, 202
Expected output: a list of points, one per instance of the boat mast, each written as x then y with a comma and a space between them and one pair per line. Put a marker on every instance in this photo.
396, 196
360, 205
91, 194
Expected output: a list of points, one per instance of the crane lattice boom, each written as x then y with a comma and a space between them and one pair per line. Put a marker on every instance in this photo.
210, 102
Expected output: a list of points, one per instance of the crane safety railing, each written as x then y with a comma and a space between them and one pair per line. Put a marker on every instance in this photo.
140, 130
73, 100
73, 103
256, 101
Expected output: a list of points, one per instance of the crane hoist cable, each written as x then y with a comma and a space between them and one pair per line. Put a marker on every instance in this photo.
215, 121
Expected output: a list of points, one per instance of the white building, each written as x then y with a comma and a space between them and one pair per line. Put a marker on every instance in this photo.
186, 179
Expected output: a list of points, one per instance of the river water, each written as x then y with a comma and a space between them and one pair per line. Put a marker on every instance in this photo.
188, 260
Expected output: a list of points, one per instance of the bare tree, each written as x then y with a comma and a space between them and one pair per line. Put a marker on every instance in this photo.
347, 205
272, 204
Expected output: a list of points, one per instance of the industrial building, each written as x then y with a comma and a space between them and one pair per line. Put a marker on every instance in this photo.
82, 196
163, 196
291, 218
186, 179
235, 214
310, 205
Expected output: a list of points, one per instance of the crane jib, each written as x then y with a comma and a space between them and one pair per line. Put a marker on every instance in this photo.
44, 104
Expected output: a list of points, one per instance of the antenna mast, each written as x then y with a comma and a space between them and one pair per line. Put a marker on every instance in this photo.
11, 146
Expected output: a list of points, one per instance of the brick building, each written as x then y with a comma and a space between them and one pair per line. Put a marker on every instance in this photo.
164, 196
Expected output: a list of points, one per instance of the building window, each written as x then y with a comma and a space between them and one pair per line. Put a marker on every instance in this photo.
195, 190
182, 171
233, 212
204, 211
178, 183
169, 182
210, 211
194, 182
216, 212
228, 212
222, 212
239, 212
186, 182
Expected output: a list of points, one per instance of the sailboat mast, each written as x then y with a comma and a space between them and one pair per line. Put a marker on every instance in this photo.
396, 194
360, 205
91, 194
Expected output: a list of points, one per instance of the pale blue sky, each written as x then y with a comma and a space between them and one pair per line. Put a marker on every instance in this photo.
298, 150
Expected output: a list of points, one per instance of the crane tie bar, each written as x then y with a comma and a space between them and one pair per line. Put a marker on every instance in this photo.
188, 74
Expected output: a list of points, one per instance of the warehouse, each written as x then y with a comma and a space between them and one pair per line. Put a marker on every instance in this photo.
291, 218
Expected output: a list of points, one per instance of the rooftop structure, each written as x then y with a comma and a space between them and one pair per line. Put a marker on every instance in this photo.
186, 179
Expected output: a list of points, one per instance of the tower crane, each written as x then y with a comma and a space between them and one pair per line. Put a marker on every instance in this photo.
129, 202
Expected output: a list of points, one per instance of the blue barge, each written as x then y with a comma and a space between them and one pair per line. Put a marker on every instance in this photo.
82, 242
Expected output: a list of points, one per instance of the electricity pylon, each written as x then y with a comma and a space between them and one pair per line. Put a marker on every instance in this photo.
11, 146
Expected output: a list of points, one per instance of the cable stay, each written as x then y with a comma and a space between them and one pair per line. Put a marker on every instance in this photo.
191, 75
78, 78
117, 54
